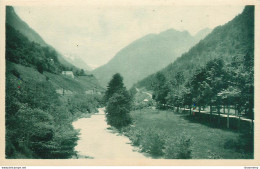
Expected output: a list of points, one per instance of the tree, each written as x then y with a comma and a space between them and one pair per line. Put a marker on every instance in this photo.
116, 83
161, 91
187, 97
229, 97
118, 103
118, 109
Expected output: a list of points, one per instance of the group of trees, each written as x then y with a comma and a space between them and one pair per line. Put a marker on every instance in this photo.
118, 103
38, 121
217, 71
216, 84
38, 124
22, 51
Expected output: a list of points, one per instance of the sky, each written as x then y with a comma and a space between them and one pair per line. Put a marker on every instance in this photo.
96, 33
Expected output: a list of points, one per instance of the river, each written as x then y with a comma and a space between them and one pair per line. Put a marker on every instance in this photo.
98, 142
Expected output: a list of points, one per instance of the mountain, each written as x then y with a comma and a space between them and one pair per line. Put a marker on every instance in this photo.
231, 41
16, 22
146, 56
41, 103
78, 62
202, 34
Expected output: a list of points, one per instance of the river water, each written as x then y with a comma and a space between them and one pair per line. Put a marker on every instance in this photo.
98, 142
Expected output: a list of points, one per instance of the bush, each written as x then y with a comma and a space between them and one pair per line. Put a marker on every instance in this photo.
15, 73
118, 110
153, 141
178, 148
135, 135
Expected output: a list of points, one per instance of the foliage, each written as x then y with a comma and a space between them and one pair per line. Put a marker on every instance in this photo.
116, 83
84, 103
183, 138
216, 71
178, 147
38, 121
119, 103
118, 109
153, 141
160, 90
20, 50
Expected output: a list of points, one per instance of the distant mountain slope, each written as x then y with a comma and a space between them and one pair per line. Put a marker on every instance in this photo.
202, 34
146, 56
25, 54
232, 40
79, 63
16, 22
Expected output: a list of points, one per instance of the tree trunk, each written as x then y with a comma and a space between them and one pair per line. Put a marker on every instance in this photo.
178, 109
190, 110
199, 112
218, 115
224, 108
228, 117
210, 110
238, 112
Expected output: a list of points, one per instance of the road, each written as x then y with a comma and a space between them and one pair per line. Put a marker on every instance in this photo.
100, 143
149, 94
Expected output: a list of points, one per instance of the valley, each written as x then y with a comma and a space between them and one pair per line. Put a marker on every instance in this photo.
166, 95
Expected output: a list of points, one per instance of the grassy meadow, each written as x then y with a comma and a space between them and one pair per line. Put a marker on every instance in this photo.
165, 134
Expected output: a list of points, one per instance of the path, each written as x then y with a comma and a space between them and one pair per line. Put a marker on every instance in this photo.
100, 143
222, 115
149, 94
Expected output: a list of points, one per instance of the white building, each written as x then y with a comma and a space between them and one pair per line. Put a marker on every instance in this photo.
68, 73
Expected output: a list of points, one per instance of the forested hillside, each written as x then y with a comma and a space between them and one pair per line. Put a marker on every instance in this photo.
14, 20
218, 70
41, 103
147, 55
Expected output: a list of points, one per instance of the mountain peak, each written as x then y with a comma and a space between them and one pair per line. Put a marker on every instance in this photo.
15, 21
172, 31
145, 56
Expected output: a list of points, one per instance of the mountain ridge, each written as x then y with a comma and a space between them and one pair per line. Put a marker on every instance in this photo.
231, 40
140, 58
16, 22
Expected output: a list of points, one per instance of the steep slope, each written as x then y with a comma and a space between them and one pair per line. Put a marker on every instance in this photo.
15, 21
146, 56
232, 40
40, 102
79, 63
23, 53
202, 34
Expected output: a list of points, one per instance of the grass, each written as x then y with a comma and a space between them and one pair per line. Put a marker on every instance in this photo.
48, 114
78, 84
206, 142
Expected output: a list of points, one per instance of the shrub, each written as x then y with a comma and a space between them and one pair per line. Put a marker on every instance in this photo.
153, 141
178, 148
118, 110
15, 73
135, 135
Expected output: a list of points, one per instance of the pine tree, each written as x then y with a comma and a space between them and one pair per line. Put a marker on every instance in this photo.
115, 84
118, 103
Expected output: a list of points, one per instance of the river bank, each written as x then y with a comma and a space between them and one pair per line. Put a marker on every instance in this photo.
98, 142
